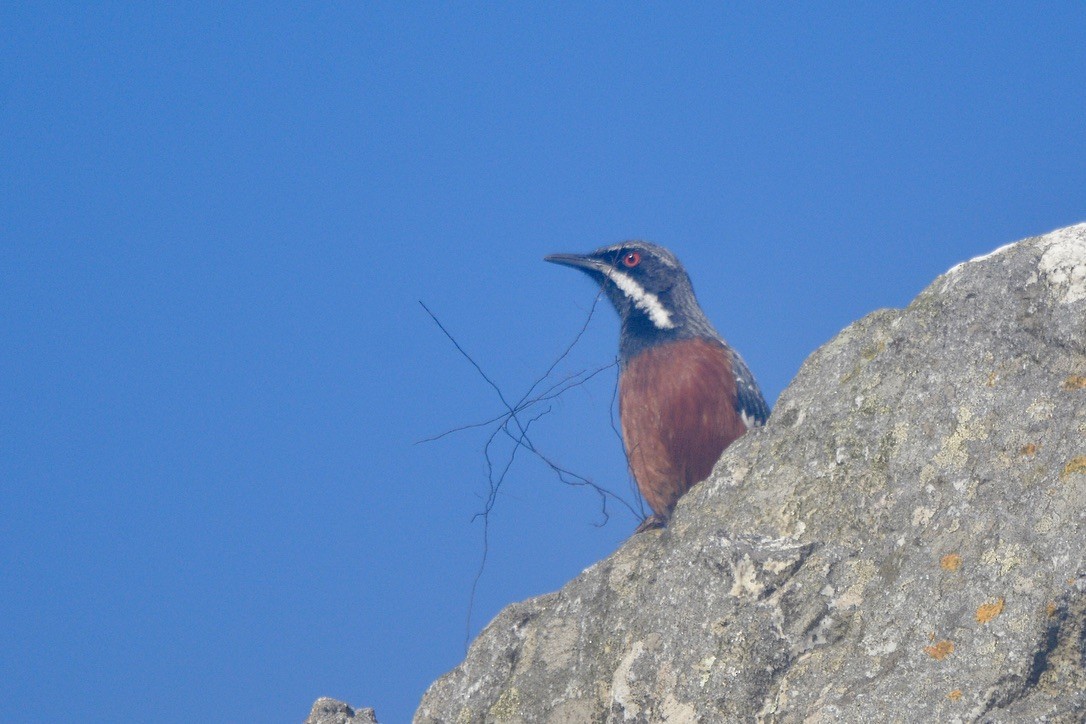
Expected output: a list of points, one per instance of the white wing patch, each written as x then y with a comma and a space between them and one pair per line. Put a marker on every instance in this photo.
644, 300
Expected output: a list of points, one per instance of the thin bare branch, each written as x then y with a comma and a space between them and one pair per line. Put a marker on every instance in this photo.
511, 425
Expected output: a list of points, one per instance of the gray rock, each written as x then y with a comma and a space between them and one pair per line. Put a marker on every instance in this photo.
330, 711
905, 540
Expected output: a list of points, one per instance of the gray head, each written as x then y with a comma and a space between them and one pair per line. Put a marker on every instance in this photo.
649, 289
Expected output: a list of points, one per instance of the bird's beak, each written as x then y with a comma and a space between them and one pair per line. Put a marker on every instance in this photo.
578, 261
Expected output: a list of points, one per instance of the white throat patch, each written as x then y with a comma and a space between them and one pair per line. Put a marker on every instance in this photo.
644, 300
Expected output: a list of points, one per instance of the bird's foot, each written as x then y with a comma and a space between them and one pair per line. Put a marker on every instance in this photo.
653, 521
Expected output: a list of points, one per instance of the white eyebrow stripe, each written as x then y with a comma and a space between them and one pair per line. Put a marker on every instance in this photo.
644, 300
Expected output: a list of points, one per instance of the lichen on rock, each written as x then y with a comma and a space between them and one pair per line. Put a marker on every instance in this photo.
904, 541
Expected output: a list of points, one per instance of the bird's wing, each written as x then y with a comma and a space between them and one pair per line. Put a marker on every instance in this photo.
749, 402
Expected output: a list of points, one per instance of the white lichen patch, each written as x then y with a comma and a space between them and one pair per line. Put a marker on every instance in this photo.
621, 683
952, 454
1063, 263
745, 579
858, 575
922, 516
900, 434
705, 666
1047, 523
775, 566
677, 711
1004, 558
851, 598
882, 648
507, 707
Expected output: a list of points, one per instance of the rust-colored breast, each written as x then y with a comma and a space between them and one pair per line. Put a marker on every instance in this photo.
677, 404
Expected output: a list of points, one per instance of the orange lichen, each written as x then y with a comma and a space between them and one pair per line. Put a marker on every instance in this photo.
989, 611
940, 650
1077, 466
950, 562
1028, 450
1050, 609
955, 695
1075, 382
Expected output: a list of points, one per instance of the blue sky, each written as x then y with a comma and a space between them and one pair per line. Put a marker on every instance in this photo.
217, 221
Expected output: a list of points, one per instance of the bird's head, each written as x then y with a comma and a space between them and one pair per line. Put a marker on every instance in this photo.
650, 290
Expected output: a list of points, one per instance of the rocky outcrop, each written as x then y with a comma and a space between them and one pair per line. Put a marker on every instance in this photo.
904, 541
330, 711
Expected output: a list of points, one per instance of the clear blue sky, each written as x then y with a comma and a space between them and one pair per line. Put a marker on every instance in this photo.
216, 223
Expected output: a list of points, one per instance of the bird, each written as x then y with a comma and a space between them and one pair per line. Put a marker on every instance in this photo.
684, 393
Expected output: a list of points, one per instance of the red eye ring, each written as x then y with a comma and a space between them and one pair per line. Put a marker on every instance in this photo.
632, 259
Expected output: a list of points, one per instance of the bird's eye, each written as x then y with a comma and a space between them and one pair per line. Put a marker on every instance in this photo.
632, 259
